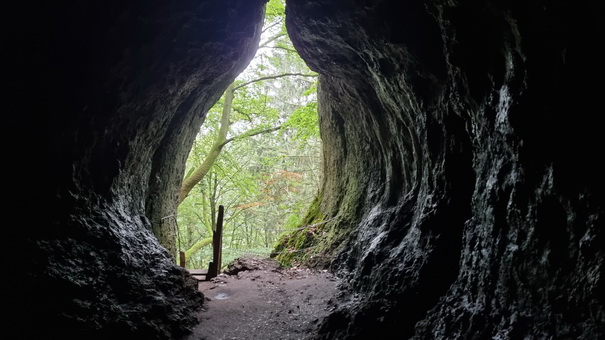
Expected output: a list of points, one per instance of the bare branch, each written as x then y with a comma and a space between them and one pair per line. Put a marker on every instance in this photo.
281, 48
270, 40
274, 77
247, 115
278, 22
251, 133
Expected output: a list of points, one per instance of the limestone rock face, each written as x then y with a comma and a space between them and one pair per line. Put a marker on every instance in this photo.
462, 166
104, 101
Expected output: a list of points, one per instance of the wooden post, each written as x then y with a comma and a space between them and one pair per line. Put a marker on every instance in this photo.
182, 259
212, 272
217, 240
214, 268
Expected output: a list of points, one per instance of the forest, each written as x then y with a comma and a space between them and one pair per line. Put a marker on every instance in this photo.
257, 154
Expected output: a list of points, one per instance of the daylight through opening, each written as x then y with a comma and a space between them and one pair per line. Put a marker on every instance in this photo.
257, 154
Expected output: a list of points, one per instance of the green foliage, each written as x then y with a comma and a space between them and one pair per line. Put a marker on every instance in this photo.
304, 121
265, 180
275, 10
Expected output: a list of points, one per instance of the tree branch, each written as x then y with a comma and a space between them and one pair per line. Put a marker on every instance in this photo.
250, 134
281, 48
274, 77
248, 115
270, 40
278, 22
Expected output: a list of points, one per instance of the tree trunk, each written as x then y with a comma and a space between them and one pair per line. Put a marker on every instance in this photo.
199, 173
197, 246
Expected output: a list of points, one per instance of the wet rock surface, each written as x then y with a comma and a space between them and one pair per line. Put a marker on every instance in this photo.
447, 130
113, 95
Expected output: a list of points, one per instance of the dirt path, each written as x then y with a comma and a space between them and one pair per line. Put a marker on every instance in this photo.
261, 301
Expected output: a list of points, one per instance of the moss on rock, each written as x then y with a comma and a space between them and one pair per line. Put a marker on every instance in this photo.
298, 245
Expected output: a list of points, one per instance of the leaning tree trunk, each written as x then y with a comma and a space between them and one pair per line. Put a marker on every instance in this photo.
221, 140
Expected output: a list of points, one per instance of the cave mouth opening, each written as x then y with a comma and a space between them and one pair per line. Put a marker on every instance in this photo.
257, 154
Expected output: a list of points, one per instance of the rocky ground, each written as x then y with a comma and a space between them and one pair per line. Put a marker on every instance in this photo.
257, 299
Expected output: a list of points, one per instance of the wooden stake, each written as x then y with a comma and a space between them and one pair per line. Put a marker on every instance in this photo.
214, 268
218, 239
182, 259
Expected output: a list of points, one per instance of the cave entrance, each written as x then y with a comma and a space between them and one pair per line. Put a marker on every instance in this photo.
257, 154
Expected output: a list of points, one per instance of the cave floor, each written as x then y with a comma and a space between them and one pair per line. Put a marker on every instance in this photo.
264, 301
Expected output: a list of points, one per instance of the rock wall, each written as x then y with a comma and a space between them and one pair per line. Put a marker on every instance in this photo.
462, 167
103, 103
462, 189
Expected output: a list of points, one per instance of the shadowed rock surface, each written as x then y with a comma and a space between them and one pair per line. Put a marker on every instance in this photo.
463, 173
461, 165
106, 101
